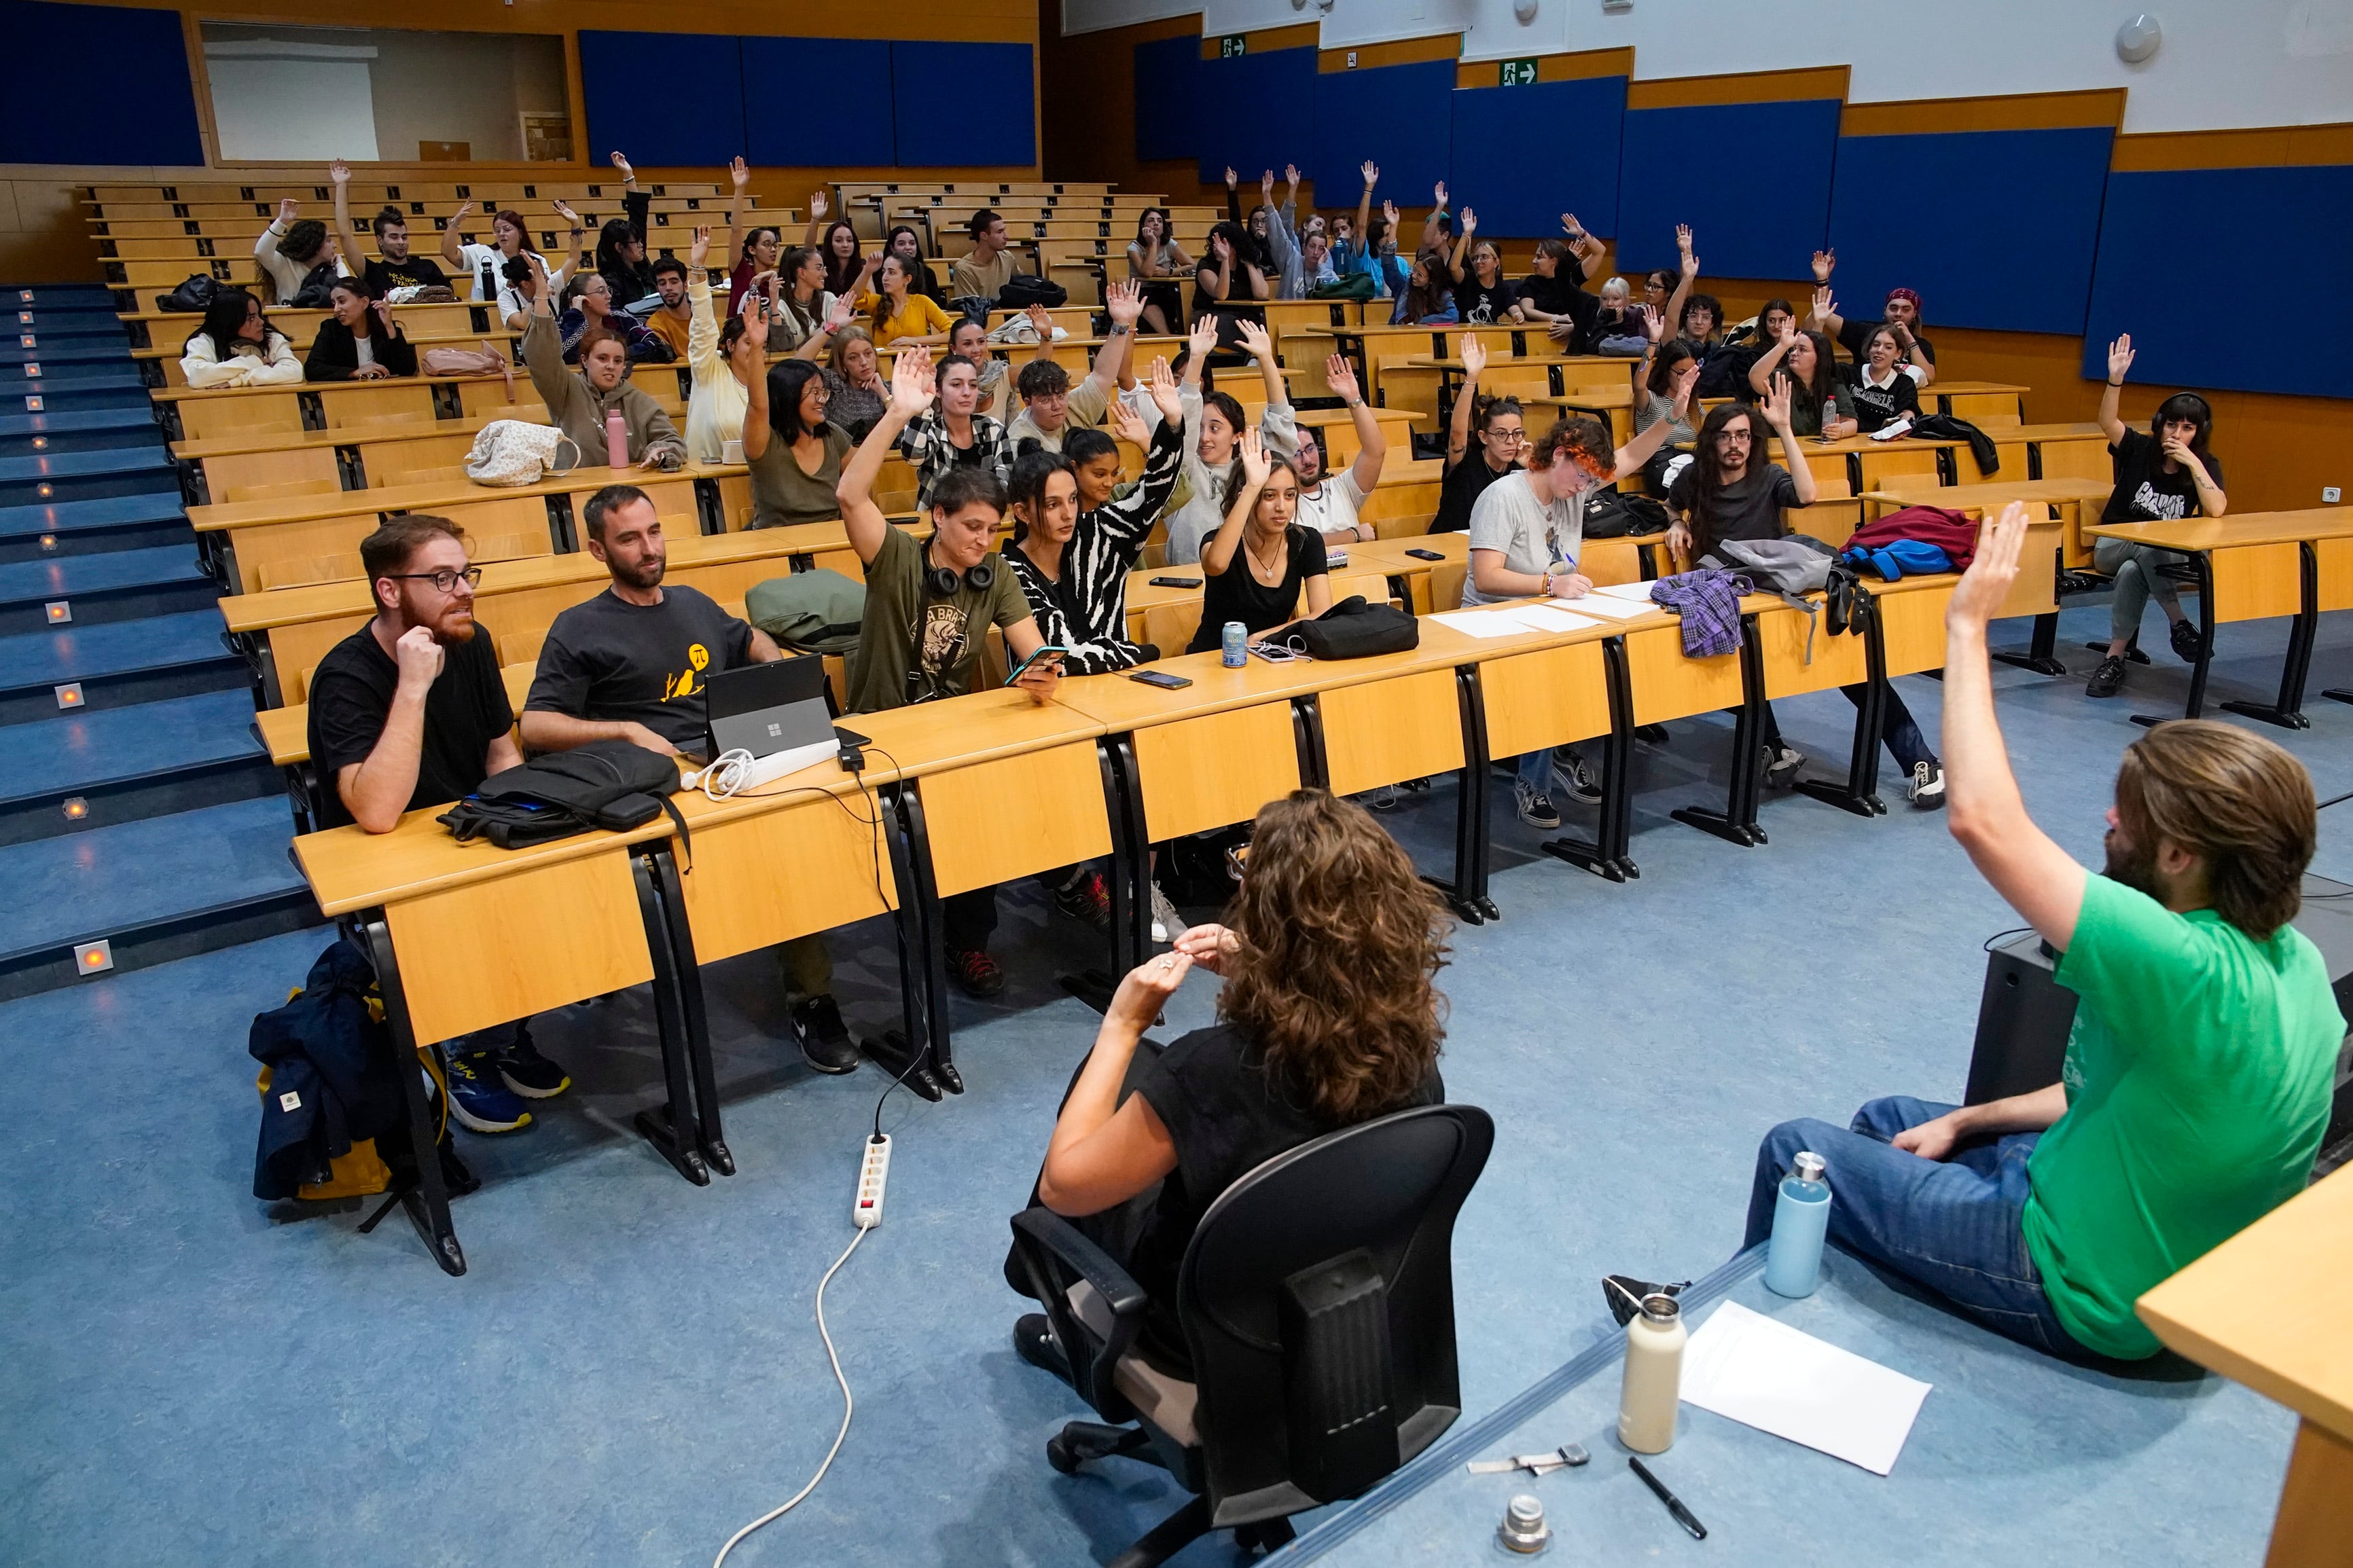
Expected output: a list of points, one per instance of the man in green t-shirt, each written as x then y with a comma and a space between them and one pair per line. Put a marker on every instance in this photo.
928, 610
2199, 1071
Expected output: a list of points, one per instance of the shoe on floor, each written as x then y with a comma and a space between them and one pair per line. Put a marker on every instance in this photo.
1033, 1342
2185, 641
479, 1100
1781, 766
1165, 921
1086, 900
1574, 774
2107, 680
1535, 806
1927, 786
824, 1040
528, 1074
973, 973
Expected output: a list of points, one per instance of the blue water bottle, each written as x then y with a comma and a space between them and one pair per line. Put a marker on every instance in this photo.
1801, 1216
1235, 645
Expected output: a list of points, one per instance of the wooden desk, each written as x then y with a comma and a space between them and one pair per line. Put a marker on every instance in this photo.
1584, 379
2251, 565
2071, 451
2271, 1308
2059, 503
1984, 404
1881, 465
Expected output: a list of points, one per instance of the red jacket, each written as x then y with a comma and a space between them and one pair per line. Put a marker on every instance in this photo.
1949, 531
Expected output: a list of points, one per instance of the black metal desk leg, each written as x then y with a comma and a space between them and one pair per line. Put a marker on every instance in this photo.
425, 1197
902, 1052
671, 1128
2203, 565
1467, 893
1736, 822
2287, 712
688, 972
940, 1058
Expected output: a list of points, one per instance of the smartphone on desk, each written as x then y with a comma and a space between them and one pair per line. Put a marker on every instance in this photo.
1175, 582
1160, 678
1051, 653
1427, 555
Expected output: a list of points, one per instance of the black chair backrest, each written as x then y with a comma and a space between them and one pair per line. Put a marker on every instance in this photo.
1317, 1299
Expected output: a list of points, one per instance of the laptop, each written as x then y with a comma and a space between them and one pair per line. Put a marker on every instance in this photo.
766, 708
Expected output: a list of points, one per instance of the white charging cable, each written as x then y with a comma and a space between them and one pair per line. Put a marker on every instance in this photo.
847, 1406
725, 777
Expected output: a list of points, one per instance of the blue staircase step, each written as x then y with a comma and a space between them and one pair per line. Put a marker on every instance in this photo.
55, 296
100, 324
114, 585
69, 377
117, 665
127, 763
156, 889
87, 474
61, 349
79, 430
88, 527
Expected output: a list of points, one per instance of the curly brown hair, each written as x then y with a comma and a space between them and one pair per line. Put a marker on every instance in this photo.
1341, 945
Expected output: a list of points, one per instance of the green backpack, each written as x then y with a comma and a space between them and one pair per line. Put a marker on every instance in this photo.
816, 611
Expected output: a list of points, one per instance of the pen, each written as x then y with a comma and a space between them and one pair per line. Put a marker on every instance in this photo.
1683, 1516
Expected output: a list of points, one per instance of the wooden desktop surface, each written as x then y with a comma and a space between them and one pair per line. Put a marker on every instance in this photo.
2234, 531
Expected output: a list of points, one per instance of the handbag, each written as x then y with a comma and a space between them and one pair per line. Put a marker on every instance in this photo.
194, 297
462, 361
1356, 628
517, 452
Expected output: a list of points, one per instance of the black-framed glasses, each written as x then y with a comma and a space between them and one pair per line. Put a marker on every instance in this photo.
445, 580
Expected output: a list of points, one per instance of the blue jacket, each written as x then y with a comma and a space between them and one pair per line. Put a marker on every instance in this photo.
332, 1081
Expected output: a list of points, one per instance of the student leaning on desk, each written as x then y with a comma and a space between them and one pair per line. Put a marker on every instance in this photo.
2196, 1080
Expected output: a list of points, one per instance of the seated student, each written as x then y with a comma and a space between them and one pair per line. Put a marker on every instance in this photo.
1074, 544
500, 271
843, 260
1483, 442
2161, 476
1330, 1016
360, 342
1732, 490
953, 435
1350, 235
1051, 407
1553, 294
408, 713
1671, 365
1214, 422
1329, 502
1258, 229
672, 320
803, 313
396, 268
970, 337
908, 246
1753, 339
795, 456
1527, 533
579, 402
1301, 254
1230, 286
1879, 389
588, 303
984, 274
929, 606
298, 256
1902, 315
1482, 295
1428, 292
896, 314
2197, 1073
856, 393
621, 243
632, 664
1820, 402
1259, 562
1154, 261
237, 347
764, 251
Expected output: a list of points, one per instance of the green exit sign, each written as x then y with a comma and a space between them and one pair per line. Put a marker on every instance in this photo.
1519, 73
1232, 44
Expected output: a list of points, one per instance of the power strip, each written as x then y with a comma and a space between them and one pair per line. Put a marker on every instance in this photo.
873, 1175
739, 771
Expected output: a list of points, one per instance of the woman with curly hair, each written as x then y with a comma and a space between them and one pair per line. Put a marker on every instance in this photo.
1330, 1015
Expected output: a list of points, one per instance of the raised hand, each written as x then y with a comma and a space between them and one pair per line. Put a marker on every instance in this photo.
1686, 379
1256, 464
1124, 301
739, 173
1777, 402
817, 205
1389, 211
622, 163
286, 209
1475, 355
1470, 223
1683, 239
1039, 319
1266, 186
564, 210
1290, 175
1979, 596
1824, 260
2120, 357
1439, 191
1165, 396
1372, 173
910, 382
1203, 340
465, 210
1825, 306
340, 171
701, 249
1342, 378
1255, 338
1127, 423
1233, 181
1690, 266
1654, 325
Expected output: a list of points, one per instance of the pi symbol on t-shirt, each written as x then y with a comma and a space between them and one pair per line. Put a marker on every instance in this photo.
698, 659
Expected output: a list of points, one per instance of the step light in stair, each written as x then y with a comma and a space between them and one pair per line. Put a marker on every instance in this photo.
69, 694
59, 611
77, 808
94, 957
40, 443
32, 405
32, 370
27, 340
25, 295
46, 490
48, 542
26, 317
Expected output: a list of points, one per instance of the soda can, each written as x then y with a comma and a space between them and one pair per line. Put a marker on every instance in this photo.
1236, 644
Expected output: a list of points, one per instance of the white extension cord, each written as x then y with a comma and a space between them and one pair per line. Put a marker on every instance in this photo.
731, 772
866, 1212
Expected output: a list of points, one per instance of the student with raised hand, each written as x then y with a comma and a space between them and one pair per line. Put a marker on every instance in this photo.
1329, 502
359, 340
621, 243
1352, 237
970, 339
955, 434
764, 251
984, 274
794, 455
488, 265
578, 403
722, 371
589, 306
1494, 426
1882, 392
236, 346
2195, 1088
1294, 272
1671, 365
396, 268
803, 313
1821, 403
1553, 295
1261, 559
918, 642
409, 714
1154, 262
2162, 475
1052, 406
843, 261
1482, 295
1917, 354
297, 254
897, 314
1214, 422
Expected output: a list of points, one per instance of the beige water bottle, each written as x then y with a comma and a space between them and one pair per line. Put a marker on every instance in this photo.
1654, 1375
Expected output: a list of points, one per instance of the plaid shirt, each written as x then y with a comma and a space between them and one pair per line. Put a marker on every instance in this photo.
927, 448
1709, 604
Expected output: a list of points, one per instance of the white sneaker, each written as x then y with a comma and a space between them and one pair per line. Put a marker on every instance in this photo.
1165, 921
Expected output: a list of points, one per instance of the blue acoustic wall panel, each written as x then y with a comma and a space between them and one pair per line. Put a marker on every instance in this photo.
2299, 221
1256, 112
97, 84
665, 99
1753, 179
1400, 117
1524, 155
933, 89
818, 102
1994, 228
1167, 98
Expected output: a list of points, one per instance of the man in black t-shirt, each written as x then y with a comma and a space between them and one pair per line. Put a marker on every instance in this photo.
633, 664
395, 267
407, 713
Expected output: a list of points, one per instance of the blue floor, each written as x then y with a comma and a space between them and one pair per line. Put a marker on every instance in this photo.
629, 1370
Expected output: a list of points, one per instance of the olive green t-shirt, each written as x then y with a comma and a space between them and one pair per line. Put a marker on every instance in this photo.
944, 647
2198, 1078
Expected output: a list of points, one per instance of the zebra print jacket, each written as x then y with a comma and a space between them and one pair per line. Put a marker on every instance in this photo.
1086, 611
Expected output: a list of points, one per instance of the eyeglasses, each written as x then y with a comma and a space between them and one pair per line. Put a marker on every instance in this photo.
445, 580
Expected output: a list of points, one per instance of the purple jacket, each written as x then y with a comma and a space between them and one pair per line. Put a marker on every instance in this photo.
1709, 604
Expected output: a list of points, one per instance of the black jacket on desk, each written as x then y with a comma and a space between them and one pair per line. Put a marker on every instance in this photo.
334, 353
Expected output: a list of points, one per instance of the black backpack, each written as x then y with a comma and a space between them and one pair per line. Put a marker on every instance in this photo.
192, 298
612, 784
1613, 514
1353, 628
1024, 290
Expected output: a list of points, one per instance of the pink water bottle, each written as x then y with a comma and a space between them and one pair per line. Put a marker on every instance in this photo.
617, 440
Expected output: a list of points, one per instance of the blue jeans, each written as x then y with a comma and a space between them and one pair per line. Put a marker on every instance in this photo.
1952, 1226
1534, 768
1897, 728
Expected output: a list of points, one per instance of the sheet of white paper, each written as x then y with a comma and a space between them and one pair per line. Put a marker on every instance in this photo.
1550, 618
1598, 602
1639, 590
1504, 623
1763, 1374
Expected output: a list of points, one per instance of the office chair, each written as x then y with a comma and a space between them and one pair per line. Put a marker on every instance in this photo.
1318, 1300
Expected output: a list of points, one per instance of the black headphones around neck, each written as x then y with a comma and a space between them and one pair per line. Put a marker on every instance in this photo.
946, 582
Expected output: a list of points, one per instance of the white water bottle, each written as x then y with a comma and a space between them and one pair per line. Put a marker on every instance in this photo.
1648, 1400
617, 440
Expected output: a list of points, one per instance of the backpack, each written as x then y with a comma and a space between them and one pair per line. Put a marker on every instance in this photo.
1787, 568
1354, 286
613, 784
318, 289
517, 452
1024, 290
817, 612
1613, 514
1353, 628
192, 297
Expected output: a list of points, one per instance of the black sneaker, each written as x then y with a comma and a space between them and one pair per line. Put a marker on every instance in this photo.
2185, 641
1927, 786
825, 1042
975, 972
1572, 773
2107, 680
1086, 900
1033, 1342
1535, 806
528, 1073
1781, 765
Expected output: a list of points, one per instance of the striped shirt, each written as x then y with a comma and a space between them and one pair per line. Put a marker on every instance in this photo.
1086, 611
